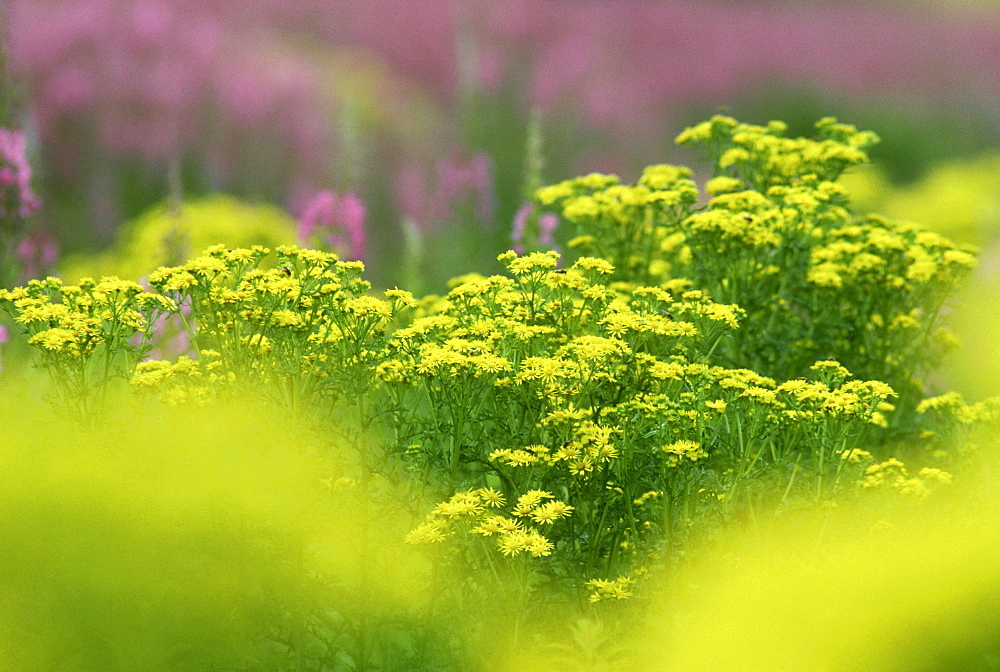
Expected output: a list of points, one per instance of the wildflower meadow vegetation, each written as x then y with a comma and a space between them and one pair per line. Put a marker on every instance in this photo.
702, 419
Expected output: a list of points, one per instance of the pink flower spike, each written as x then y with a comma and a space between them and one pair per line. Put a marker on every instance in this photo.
352, 219
520, 222
547, 224
337, 221
3, 339
37, 252
320, 213
15, 176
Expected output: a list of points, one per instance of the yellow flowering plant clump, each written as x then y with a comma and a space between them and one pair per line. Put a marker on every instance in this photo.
302, 323
625, 224
307, 325
497, 354
551, 380
777, 237
88, 335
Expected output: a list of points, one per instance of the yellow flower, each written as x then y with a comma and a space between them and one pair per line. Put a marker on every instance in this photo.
679, 451
491, 497
537, 544
53, 339
512, 543
602, 266
618, 589
722, 184
460, 504
532, 498
490, 526
179, 281
759, 394
286, 318
427, 533
826, 275
551, 511
401, 296
581, 207
367, 305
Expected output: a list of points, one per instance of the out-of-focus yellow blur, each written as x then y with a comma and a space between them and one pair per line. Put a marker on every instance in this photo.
976, 366
850, 593
180, 539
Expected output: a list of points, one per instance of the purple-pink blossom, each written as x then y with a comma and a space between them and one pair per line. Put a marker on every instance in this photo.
456, 182
37, 252
524, 237
145, 72
16, 196
155, 78
3, 339
335, 221
245, 94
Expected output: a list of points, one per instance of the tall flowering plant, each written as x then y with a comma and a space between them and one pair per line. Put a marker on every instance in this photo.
16, 196
778, 238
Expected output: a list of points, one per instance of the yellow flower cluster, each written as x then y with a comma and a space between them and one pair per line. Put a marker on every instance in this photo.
778, 239
186, 381
761, 156
306, 315
513, 536
605, 589
679, 451
647, 383
624, 224
591, 446
892, 474
72, 321
897, 256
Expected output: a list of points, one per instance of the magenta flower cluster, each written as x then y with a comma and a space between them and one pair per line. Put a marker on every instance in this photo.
147, 72
457, 181
630, 64
16, 197
525, 238
335, 222
160, 77
233, 87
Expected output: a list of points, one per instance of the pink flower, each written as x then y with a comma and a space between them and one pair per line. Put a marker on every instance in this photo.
335, 221
15, 176
37, 252
457, 182
523, 235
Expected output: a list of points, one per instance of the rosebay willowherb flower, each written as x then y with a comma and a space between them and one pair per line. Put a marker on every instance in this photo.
336, 222
16, 196
37, 253
456, 182
533, 231
154, 78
